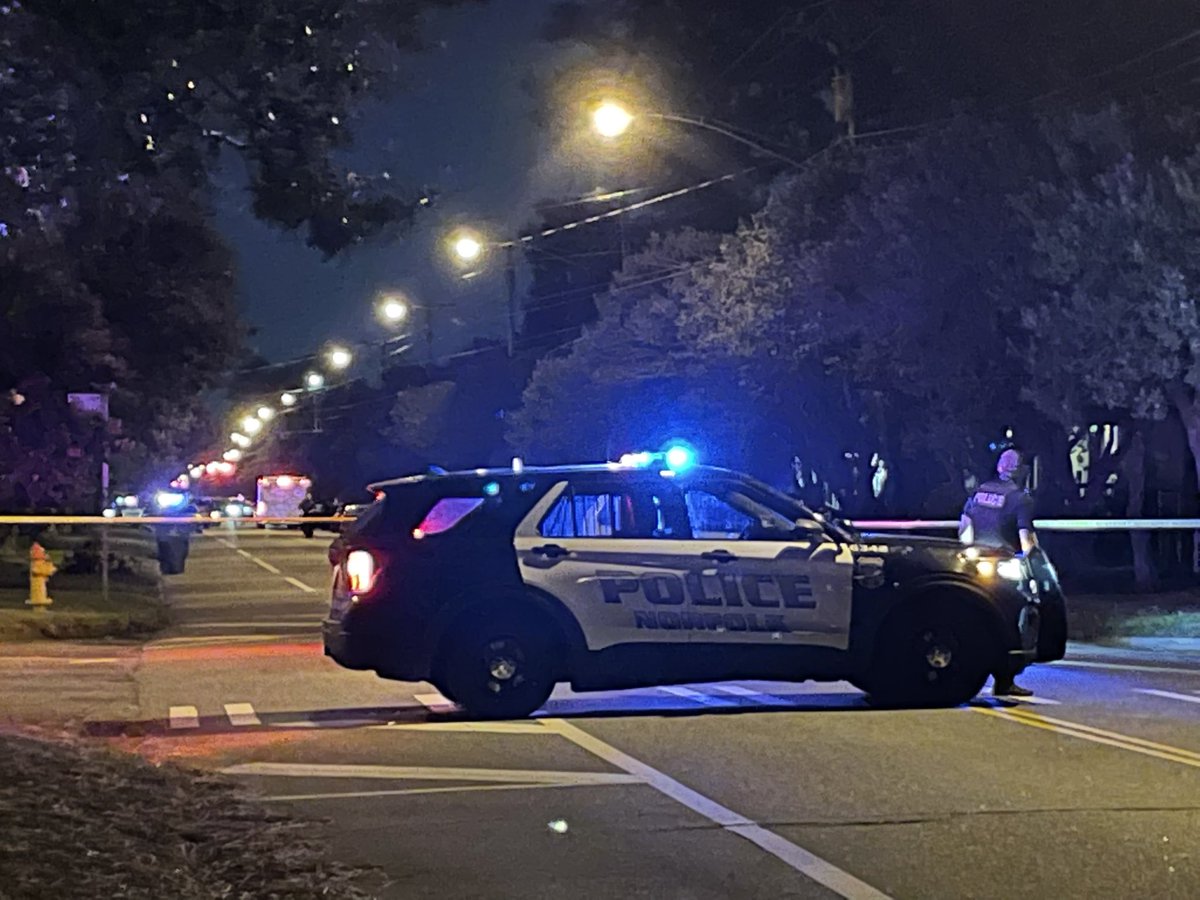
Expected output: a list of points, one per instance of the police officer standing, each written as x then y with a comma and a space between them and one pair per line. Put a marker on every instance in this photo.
1000, 514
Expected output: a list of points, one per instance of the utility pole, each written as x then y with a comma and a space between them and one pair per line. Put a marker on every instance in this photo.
510, 277
843, 101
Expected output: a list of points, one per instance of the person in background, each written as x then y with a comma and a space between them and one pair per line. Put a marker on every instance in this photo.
1000, 514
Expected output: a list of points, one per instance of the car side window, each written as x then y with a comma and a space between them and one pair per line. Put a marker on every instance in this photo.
731, 515
713, 518
621, 512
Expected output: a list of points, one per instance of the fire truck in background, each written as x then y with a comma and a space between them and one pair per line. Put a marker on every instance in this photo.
280, 496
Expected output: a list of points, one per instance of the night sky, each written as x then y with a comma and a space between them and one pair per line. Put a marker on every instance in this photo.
462, 126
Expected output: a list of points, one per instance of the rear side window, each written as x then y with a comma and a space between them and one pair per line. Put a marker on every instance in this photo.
598, 513
447, 513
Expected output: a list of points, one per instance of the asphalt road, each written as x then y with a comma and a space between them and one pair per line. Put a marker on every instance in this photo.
745, 789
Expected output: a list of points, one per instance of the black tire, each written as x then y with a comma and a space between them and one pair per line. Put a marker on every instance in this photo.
500, 668
932, 654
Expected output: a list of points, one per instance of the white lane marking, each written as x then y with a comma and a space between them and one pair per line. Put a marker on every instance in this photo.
176, 643
737, 690
531, 728
697, 696
1124, 667
93, 661
241, 714
462, 788
183, 717
296, 582
434, 701
428, 773
1170, 695
811, 866
199, 626
1097, 736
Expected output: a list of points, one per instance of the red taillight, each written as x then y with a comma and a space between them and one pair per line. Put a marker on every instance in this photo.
360, 571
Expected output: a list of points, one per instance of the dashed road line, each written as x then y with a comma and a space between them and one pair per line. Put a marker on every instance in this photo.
1170, 695
808, 864
296, 582
241, 714
179, 717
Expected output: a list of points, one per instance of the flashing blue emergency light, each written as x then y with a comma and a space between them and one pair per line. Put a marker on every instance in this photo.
492, 489
169, 499
679, 457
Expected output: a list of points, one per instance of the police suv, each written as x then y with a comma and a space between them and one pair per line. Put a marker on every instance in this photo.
496, 584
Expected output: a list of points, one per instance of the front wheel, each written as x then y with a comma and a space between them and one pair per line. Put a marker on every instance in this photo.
929, 656
499, 669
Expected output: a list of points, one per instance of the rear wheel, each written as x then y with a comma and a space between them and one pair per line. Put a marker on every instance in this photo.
500, 668
936, 654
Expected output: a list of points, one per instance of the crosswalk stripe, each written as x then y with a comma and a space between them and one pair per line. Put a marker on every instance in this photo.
183, 717
1169, 695
698, 696
434, 701
241, 714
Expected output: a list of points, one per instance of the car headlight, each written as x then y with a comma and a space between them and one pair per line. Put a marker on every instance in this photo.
1010, 569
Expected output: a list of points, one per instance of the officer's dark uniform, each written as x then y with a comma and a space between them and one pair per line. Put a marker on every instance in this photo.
998, 511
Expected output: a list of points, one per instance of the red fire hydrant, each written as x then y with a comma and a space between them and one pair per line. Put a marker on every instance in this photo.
40, 570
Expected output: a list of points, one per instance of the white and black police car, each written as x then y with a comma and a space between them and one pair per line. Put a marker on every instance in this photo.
494, 585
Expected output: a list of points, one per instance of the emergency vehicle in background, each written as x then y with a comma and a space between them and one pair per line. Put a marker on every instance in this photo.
280, 496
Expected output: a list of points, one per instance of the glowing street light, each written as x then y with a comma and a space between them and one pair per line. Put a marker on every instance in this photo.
611, 119
314, 381
393, 309
251, 425
232, 456
287, 399
239, 440
339, 358
265, 413
467, 246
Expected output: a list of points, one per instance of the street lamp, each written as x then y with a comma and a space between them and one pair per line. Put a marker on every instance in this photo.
611, 120
314, 381
265, 413
339, 358
251, 425
467, 246
232, 456
240, 440
287, 399
392, 309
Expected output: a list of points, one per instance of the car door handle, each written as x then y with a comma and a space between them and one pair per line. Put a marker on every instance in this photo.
550, 551
721, 556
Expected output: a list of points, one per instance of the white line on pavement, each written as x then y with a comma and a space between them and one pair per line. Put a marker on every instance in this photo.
462, 788
428, 773
241, 714
531, 728
197, 626
1170, 695
296, 582
737, 690
434, 701
697, 696
183, 717
93, 660
1127, 667
825, 873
